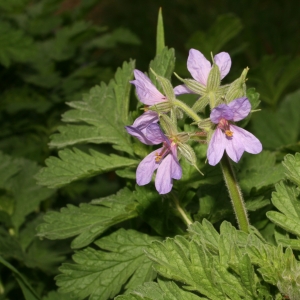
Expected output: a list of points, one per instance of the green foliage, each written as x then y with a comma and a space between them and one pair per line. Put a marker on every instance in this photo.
28, 291
280, 128
163, 290
292, 167
225, 28
101, 274
274, 75
105, 110
20, 195
88, 220
75, 164
12, 40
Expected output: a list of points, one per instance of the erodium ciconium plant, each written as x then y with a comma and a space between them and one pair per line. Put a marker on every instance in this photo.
158, 124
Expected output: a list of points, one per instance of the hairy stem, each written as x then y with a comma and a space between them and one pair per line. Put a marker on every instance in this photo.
181, 211
235, 193
187, 110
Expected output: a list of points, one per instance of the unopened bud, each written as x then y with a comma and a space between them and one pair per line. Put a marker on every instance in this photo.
237, 88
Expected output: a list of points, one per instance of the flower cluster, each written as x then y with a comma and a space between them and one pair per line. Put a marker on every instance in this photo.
225, 135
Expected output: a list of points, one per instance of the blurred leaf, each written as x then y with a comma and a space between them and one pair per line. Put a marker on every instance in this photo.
23, 98
286, 200
75, 164
274, 75
225, 28
9, 246
292, 167
101, 274
15, 46
53, 295
28, 291
257, 171
280, 128
25, 194
105, 110
111, 40
88, 220
160, 33
156, 211
13, 5
63, 46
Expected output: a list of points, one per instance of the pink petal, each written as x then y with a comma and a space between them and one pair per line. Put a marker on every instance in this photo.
198, 66
240, 107
176, 171
154, 134
222, 111
250, 143
145, 89
182, 89
146, 119
139, 134
216, 147
163, 180
234, 146
146, 168
223, 61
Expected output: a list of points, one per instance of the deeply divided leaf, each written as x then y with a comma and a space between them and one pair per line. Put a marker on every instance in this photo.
100, 275
88, 220
76, 164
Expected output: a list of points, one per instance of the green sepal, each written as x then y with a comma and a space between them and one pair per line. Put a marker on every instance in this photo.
162, 107
201, 103
237, 88
189, 154
168, 126
166, 86
193, 85
214, 79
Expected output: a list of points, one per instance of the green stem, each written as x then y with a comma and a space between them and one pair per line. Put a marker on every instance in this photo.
187, 110
183, 214
235, 193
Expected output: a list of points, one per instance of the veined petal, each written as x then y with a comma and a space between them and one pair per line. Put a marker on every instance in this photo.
223, 61
198, 66
176, 171
250, 143
139, 134
146, 119
168, 169
146, 168
222, 111
216, 147
154, 134
182, 89
234, 146
146, 90
240, 107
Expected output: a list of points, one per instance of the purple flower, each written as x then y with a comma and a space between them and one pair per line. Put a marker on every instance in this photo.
164, 159
229, 137
139, 128
199, 67
146, 90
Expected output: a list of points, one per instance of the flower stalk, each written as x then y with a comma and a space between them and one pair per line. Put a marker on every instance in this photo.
187, 110
235, 193
181, 211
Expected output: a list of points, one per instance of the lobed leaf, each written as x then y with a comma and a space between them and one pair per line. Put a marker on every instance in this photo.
75, 164
101, 274
101, 116
292, 167
88, 220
